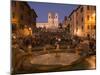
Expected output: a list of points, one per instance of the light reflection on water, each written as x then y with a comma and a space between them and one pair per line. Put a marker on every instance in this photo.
65, 59
60, 62
92, 62
55, 59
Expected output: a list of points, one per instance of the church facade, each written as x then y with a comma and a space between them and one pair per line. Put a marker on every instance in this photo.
52, 22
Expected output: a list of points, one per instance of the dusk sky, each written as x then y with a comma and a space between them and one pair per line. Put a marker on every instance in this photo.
42, 10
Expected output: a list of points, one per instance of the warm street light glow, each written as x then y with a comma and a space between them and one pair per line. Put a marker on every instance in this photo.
14, 37
92, 18
75, 32
91, 24
29, 28
79, 32
93, 15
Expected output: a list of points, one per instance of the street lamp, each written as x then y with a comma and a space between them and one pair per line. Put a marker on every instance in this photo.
78, 33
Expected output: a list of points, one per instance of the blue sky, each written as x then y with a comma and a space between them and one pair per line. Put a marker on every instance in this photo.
42, 10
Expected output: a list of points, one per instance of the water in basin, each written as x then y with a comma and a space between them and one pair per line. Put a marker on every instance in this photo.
55, 59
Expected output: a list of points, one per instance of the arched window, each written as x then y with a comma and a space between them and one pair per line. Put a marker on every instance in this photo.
14, 27
56, 16
88, 7
49, 16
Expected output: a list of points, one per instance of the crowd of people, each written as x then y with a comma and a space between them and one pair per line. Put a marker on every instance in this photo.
40, 39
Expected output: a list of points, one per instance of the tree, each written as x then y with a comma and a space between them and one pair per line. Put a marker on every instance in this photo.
60, 25
65, 18
68, 28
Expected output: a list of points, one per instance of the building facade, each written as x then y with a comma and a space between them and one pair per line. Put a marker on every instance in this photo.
72, 22
83, 21
52, 21
90, 21
22, 15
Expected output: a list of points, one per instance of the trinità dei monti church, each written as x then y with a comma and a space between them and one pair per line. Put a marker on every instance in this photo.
52, 21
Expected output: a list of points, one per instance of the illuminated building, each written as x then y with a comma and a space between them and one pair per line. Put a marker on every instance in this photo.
83, 21
52, 21
21, 15
72, 22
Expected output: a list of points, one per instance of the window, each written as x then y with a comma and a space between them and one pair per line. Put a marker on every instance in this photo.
93, 27
77, 22
82, 19
88, 27
94, 8
56, 16
88, 17
14, 4
14, 27
13, 15
22, 6
77, 14
87, 7
76, 29
81, 9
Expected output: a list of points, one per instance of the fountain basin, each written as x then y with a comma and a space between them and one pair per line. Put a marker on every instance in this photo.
61, 58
